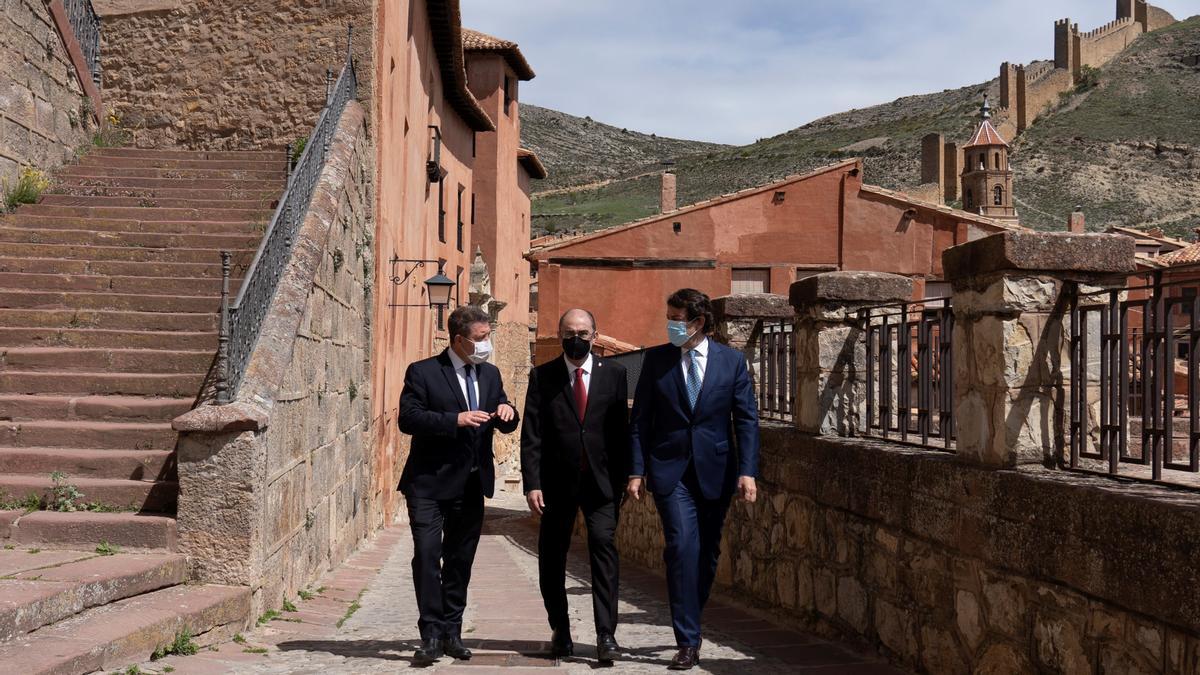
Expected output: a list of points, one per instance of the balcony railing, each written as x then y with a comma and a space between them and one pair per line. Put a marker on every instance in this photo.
86, 25
241, 321
910, 373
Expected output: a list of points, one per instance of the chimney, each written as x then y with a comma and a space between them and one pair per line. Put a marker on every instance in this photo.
1156, 232
1076, 223
667, 201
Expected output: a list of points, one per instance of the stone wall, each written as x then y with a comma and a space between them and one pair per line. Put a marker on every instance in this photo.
210, 74
511, 341
45, 114
950, 568
275, 487
1100, 46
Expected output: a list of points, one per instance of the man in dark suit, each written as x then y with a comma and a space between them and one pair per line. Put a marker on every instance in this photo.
695, 442
451, 404
575, 455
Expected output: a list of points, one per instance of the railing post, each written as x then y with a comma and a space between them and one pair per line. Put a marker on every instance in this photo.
830, 345
1011, 338
223, 393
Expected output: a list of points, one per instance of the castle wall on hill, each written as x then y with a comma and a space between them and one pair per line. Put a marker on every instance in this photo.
1037, 97
1102, 45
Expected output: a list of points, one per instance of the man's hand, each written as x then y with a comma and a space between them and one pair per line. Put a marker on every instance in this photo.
506, 412
473, 418
747, 489
634, 488
536, 502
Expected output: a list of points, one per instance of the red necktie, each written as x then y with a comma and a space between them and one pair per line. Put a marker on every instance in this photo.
581, 407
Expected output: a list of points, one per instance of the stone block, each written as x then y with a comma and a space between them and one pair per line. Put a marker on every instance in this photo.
897, 629
940, 652
1003, 659
850, 287
1040, 251
751, 305
1059, 645
852, 603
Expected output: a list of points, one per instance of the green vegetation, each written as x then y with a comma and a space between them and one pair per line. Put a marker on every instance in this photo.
106, 548
27, 189
268, 616
306, 594
239, 639
288, 606
354, 607
298, 146
255, 650
182, 646
30, 502
64, 496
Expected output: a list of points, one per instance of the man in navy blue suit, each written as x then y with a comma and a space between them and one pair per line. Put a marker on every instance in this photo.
694, 434
451, 404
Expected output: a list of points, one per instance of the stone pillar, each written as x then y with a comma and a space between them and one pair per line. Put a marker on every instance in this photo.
1011, 300
831, 347
738, 322
667, 201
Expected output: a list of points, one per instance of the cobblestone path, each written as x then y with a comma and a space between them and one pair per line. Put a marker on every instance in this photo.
505, 622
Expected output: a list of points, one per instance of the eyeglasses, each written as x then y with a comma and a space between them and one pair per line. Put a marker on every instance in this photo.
581, 334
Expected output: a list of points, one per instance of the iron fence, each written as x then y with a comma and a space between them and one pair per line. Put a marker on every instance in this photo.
241, 321
774, 375
86, 25
909, 363
1133, 375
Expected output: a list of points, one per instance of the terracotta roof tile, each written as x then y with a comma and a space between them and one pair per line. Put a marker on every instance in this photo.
1187, 255
986, 134
475, 41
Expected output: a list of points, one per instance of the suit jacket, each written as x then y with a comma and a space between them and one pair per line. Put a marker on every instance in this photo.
553, 438
720, 437
439, 461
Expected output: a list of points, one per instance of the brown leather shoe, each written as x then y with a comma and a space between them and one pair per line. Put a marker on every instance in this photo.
685, 659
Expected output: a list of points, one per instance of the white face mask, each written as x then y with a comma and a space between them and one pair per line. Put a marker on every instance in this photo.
483, 351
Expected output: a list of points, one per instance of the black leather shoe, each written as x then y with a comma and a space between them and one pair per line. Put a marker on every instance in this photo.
429, 652
561, 645
685, 659
606, 649
454, 647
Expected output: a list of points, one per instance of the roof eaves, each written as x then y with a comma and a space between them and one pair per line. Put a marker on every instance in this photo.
532, 163
477, 41
941, 208
445, 22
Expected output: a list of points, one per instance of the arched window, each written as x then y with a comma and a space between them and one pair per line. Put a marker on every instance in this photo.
997, 160
998, 196
967, 200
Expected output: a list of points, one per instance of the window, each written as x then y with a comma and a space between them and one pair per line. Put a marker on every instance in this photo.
459, 211
458, 287
997, 160
998, 196
442, 210
751, 281
968, 200
510, 92
472, 208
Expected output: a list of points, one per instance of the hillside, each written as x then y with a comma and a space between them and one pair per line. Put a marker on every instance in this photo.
1125, 149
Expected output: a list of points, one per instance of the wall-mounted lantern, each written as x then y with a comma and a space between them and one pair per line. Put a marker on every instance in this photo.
437, 287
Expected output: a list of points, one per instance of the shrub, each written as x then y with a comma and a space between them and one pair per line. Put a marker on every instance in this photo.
30, 185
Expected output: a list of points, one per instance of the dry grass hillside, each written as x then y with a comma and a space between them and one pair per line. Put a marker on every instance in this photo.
1126, 147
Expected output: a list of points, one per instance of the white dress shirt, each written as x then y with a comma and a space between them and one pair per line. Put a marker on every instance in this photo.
701, 360
587, 372
459, 370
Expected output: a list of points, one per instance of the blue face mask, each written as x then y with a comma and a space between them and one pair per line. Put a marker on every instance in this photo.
677, 333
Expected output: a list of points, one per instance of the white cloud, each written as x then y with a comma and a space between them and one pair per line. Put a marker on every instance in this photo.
735, 71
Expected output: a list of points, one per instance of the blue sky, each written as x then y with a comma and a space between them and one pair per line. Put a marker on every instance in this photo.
732, 71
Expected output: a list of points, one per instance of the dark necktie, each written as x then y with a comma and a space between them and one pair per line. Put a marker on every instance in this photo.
472, 401
581, 408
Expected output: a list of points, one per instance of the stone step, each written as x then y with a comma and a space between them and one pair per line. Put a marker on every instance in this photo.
254, 155
108, 301
138, 465
74, 359
109, 384
100, 408
78, 171
95, 283
147, 213
90, 337
29, 235
88, 434
81, 529
122, 267
226, 202
131, 495
100, 180
27, 221
120, 253
41, 596
113, 320
127, 631
270, 195
106, 162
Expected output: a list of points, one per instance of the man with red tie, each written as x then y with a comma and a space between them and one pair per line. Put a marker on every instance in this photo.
575, 456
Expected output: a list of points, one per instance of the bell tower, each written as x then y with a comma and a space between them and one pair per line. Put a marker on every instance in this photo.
986, 178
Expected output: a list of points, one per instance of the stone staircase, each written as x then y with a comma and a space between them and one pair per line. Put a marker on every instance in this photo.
109, 291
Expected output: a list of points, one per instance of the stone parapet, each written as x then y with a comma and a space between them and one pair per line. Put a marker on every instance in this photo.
950, 568
1011, 309
830, 346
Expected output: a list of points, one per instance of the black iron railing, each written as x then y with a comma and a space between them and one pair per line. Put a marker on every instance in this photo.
1133, 385
86, 25
909, 383
241, 321
774, 376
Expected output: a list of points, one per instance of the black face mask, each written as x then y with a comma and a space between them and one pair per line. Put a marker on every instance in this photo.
576, 347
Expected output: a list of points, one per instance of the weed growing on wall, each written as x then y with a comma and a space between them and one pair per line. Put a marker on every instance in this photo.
27, 189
